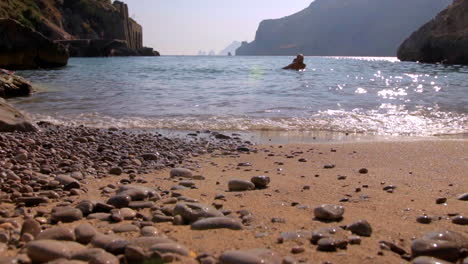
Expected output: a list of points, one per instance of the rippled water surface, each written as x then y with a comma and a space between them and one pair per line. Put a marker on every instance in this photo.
371, 95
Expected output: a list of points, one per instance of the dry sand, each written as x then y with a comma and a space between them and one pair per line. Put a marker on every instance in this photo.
422, 171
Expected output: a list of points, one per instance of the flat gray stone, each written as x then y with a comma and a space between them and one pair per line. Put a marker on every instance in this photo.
126, 228
173, 248
181, 173
217, 223
96, 256
360, 228
463, 197
329, 212
41, 251
236, 185
429, 260
254, 256
191, 212
67, 215
56, 233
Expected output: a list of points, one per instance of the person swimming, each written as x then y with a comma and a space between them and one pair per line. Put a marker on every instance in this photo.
297, 64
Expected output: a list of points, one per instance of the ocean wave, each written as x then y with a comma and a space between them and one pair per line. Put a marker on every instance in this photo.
375, 123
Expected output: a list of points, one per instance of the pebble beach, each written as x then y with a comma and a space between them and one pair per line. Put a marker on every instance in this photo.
112, 196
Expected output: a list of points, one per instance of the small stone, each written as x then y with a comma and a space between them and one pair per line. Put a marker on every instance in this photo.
181, 172
119, 201
174, 248
460, 220
429, 260
360, 228
56, 233
67, 215
328, 212
41, 251
149, 231
253, 256
329, 166
116, 171
354, 240
84, 233
329, 244
297, 250
446, 250
31, 226
463, 197
217, 223
363, 171
441, 200
236, 185
260, 182
424, 219
95, 256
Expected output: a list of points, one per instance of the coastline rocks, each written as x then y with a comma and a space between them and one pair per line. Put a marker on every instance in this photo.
13, 85
329, 212
236, 185
23, 48
260, 182
217, 223
253, 256
12, 120
41, 251
443, 39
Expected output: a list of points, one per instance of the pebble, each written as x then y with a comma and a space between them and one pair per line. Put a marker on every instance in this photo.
175, 248
297, 250
57, 233
441, 200
31, 226
329, 166
460, 220
329, 212
463, 197
181, 173
95, 256
424, 219
119, 201
99, 216
116, 171
260, 182
149, 231
236, 185
217, 223
428, 260
67, 215
444, 245
191, 212
360, 228
253, 256
41, 251
84, 233
363, 171
33, 201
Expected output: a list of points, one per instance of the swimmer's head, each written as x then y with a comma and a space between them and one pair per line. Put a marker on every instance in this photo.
299, 58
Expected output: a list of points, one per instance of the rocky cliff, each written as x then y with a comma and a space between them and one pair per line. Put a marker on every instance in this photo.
343, 28
443, 39
76, 19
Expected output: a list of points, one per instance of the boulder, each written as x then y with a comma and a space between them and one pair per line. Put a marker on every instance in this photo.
13, 85
23, 48
12, 119
444, 39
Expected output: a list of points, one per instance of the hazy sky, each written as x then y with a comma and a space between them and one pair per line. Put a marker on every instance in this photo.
183, 27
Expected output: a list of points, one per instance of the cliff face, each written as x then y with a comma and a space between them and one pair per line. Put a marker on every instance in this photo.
343, 28
443, 39
76, 19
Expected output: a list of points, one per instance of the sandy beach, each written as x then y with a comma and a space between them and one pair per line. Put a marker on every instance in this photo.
404, 180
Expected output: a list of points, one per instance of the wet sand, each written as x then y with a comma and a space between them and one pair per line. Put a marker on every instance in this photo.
418, 172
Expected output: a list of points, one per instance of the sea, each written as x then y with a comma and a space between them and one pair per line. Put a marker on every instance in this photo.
338, 96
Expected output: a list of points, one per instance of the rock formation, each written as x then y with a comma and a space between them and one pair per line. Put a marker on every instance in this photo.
23, 48
12, 85
89, 21
443, 39
343, 28
13, 120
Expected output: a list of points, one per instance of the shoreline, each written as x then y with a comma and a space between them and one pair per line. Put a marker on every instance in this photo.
403, 181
